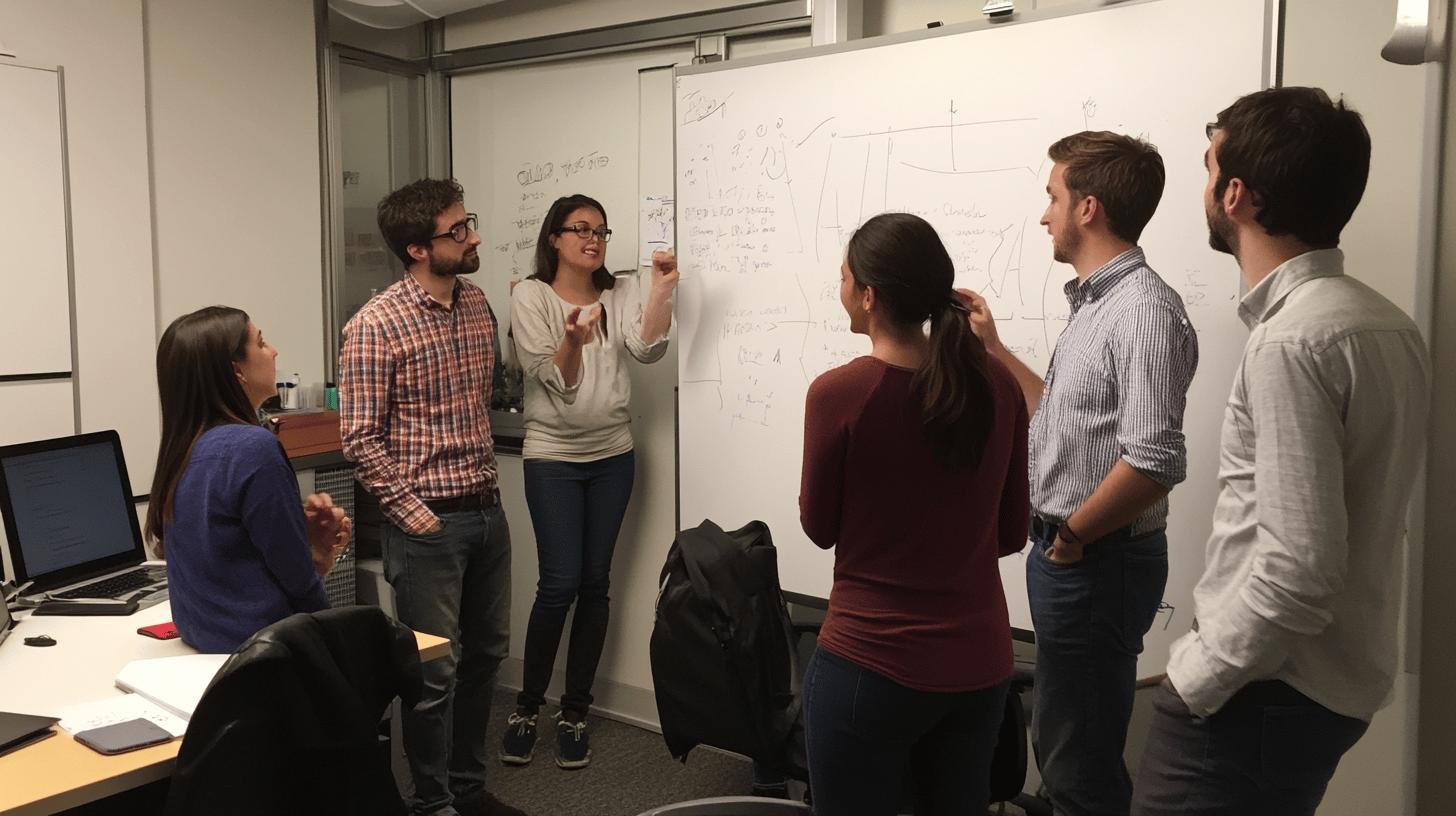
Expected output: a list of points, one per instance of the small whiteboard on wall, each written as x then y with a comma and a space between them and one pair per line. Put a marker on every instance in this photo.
36, 308
778, 162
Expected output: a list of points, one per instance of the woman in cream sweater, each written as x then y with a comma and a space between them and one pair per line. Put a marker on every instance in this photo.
575, 325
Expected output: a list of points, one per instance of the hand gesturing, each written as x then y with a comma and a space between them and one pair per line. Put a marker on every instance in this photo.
581, 324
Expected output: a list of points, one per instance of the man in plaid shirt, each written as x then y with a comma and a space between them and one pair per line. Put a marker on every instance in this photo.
414, 399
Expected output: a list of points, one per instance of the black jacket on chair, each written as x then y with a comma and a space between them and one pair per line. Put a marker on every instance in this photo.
722, 649
291, 722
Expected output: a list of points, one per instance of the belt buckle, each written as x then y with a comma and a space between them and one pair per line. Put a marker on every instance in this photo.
1040, 527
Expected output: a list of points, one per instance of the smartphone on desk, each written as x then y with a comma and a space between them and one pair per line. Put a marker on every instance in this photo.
123, 736
160, 631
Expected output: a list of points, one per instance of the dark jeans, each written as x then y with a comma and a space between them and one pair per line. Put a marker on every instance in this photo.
1270, 751
865, 732
455, 583
1090, 618
576, 510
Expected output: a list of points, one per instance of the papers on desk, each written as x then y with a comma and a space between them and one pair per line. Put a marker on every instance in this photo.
113, 710
165, 690
174, 683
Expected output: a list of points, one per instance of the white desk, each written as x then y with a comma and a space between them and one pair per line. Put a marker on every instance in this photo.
59, 773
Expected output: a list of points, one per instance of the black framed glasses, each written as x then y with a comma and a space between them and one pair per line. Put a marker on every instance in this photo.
1209, 128
585, 232
461, 231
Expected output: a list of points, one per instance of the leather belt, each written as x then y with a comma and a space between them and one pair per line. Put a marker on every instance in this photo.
1045, 529
462, 504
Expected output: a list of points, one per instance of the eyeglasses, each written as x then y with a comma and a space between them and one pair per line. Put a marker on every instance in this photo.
1209, 128
585, 232
461, 231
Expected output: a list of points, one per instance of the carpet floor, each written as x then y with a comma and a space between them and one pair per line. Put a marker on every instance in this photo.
630, 771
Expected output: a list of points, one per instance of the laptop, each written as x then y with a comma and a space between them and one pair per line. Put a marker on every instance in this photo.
20, 730
69, 522
6, 623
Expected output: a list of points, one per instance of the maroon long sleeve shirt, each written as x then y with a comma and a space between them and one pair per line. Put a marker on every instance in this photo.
917, 594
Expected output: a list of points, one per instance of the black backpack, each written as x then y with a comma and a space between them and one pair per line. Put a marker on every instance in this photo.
723, 649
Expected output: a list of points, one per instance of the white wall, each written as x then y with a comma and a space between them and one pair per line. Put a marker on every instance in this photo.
1437, 709
404, 43
100, 47
512, 20
235, 159
234, 141
893, 16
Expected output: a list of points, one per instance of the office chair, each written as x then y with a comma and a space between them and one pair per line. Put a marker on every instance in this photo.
732, 806
289, 725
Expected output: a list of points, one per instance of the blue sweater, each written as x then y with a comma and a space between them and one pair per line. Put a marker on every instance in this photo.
237, 551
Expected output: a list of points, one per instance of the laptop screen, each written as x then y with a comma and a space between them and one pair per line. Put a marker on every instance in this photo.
68, 512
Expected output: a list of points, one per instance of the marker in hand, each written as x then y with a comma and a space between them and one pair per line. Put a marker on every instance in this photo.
581, 323
664, 270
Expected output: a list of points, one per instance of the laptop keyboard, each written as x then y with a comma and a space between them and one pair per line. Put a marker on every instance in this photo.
116, 585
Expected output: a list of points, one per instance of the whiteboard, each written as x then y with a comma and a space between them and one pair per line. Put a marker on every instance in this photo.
523, 136
36, 308
778, 162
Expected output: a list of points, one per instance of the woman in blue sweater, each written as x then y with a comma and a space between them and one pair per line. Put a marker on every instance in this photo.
224, 508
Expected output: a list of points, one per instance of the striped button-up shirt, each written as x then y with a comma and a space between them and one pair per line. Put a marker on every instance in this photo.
414, 399
1115, 389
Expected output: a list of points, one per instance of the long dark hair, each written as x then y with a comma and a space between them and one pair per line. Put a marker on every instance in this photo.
546, 255
902, 257
199, 390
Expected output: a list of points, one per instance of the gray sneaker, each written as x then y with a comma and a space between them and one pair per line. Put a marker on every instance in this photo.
519, 742
573, 749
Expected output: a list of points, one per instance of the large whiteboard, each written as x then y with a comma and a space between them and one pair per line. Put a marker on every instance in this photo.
778, 162
37, 306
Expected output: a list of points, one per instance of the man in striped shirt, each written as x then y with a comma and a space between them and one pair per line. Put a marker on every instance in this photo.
1106, 446
414, 399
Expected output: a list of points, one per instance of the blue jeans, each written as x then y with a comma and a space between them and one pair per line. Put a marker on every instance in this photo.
576, 510
455, 583
1090, 618
865, 732
1270, 751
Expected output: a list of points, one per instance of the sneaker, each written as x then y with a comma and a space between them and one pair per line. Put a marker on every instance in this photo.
520, 739
573, 750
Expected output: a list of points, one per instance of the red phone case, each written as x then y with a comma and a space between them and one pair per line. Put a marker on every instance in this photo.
160, 631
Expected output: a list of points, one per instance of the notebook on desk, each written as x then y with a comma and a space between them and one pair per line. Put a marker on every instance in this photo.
174, 683
69, 522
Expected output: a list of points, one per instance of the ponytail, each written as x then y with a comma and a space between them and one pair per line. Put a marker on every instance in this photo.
903, 258
956, 394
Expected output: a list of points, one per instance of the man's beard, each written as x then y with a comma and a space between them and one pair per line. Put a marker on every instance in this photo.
1221, 233
449, 269
1066, 243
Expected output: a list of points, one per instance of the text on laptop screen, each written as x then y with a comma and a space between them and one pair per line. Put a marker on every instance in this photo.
69, 506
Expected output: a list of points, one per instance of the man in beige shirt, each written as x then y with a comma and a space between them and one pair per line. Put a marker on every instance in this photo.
1294, 645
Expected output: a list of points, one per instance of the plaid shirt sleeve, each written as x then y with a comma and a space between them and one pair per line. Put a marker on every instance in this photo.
366, 368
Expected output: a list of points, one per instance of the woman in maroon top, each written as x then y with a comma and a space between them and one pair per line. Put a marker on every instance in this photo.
915, 472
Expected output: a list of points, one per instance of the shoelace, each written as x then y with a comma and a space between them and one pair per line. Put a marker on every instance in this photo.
522, 721
577, 728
